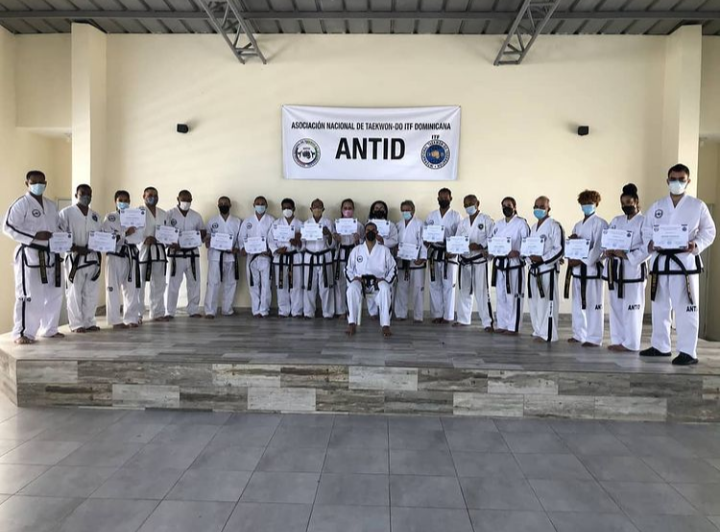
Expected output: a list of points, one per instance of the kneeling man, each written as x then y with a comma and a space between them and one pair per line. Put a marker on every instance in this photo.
370, 270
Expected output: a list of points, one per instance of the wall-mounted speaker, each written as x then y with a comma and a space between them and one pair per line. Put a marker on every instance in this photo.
583, 130
182, 128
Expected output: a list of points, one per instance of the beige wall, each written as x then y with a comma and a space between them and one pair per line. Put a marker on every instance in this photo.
710, 100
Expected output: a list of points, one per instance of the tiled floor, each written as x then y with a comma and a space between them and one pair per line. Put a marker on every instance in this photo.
151, 471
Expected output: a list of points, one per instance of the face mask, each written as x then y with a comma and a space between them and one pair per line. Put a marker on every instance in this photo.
84, 200
380, 214
348, 213
677, 187
288, 213
260, 209
317, 213
121, 205
151, 200
370, 236
224, 209
471, 210
539, 213
407, 215
629, 209
508, 212
185, 205
588, 209
444, 204
37, 189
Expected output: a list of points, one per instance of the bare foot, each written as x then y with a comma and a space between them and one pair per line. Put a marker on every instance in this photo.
510, 333
24, 340
437, 320
94, 328
537, 339
196, 315
614, 347
458, 324
573, 341
209, 316
446, 321
351, 330
489, 329
400, 319
342, 316
588, 344
169, 318
163, 318
120, 326
386, 332
500, 331
417, 321
57, 335
79, 330
376, 317
133, 325
623, 349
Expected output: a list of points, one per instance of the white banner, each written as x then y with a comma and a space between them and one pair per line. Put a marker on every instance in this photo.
349, 143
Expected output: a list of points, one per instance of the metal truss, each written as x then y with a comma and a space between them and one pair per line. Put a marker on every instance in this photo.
226, 16
526, 27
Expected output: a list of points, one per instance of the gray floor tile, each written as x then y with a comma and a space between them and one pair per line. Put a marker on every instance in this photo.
468, 423
15, 477
704, 497
499, 494
188, 516
425, 492
26, 427
298, 437
437, 463
200, 418
715, 519
292, 488
254, 517
595, 444
686, 470
3, 498
39, 452
359, 438
130, 431
350, 519
510, 521
160, 455
293, 460
69, 481
210, 485
152, 417
370, 422
535, 442
578, 426
620, 468
8, 445
430, 520
673, 523
573, 496
656, 446
553, 467
244, 434
414, 423
524, 425
635, 428
353, 490
138, 483
342, 460
35, 514
225, 456
419, 439
648, 498
254, 419
486, 465
183, 435
102, 453
585, 522
478, 441
316, 421
108, 515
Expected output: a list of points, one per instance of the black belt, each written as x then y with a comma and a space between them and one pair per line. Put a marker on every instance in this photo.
131, 253
191, 254
438, 254
43, 259
342, 257
285, 261
616, 275
672, 256
584, 278
503, 264
534, 272
149, 262
236, 266
472, 262
315, 262
75, 266
369, 283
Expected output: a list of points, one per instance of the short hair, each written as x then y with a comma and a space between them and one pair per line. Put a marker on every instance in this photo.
77, 189
121, 193
149, 189
408, 203
679, 168
511, 200
260, 197
631, 191
369, 224
587, 197
224, 197
444, 189
347, 200
317, 199
288, 200
34, 173
471, 196
184, 192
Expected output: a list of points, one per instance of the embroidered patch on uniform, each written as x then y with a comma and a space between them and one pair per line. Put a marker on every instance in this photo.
359, 259
431, 222
659, 213
481, 226
249, 225
215, 225
173, 222
110, 288
111, 217
36, 213
94, 217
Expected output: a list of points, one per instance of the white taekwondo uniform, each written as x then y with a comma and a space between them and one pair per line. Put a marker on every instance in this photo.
508, 275
153, 265
411, 276
287, 269
378, 270
443, 271
82, 271
257, 266
342, 251
318, 259
223, 267
588, 322
184, 263
473, 280
38, 273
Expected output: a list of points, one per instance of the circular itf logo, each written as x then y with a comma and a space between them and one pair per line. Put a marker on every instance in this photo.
306, 153
435, 154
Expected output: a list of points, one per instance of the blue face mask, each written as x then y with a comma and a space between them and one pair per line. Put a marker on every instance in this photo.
539, 213
121, 205
407, 215
37, 189
260, 209
471, 210
151, 200
588, 209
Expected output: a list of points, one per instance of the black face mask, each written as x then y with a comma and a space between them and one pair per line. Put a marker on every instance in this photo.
224, 209
444, 204
629, 209
379, 214
508, 212
370, 236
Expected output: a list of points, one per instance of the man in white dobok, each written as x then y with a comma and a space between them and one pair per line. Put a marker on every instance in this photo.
153, 258
287, 261
318, 260
370, 271
411, 278
223, 266
675, 273
257, 267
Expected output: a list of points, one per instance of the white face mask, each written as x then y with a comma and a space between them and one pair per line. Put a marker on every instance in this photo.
185, 205
287, 213
677, 187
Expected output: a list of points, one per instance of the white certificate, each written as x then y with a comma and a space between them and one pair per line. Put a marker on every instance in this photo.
346, 226
532, 246
166, 235
311, 231
61, 242
221, 241
254, 245
670, 236
500, 246
407, 251
102, 242
458, 245
284, 233
616, 239
190, 240
132, 218
383, 227
577, 248
434, 234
